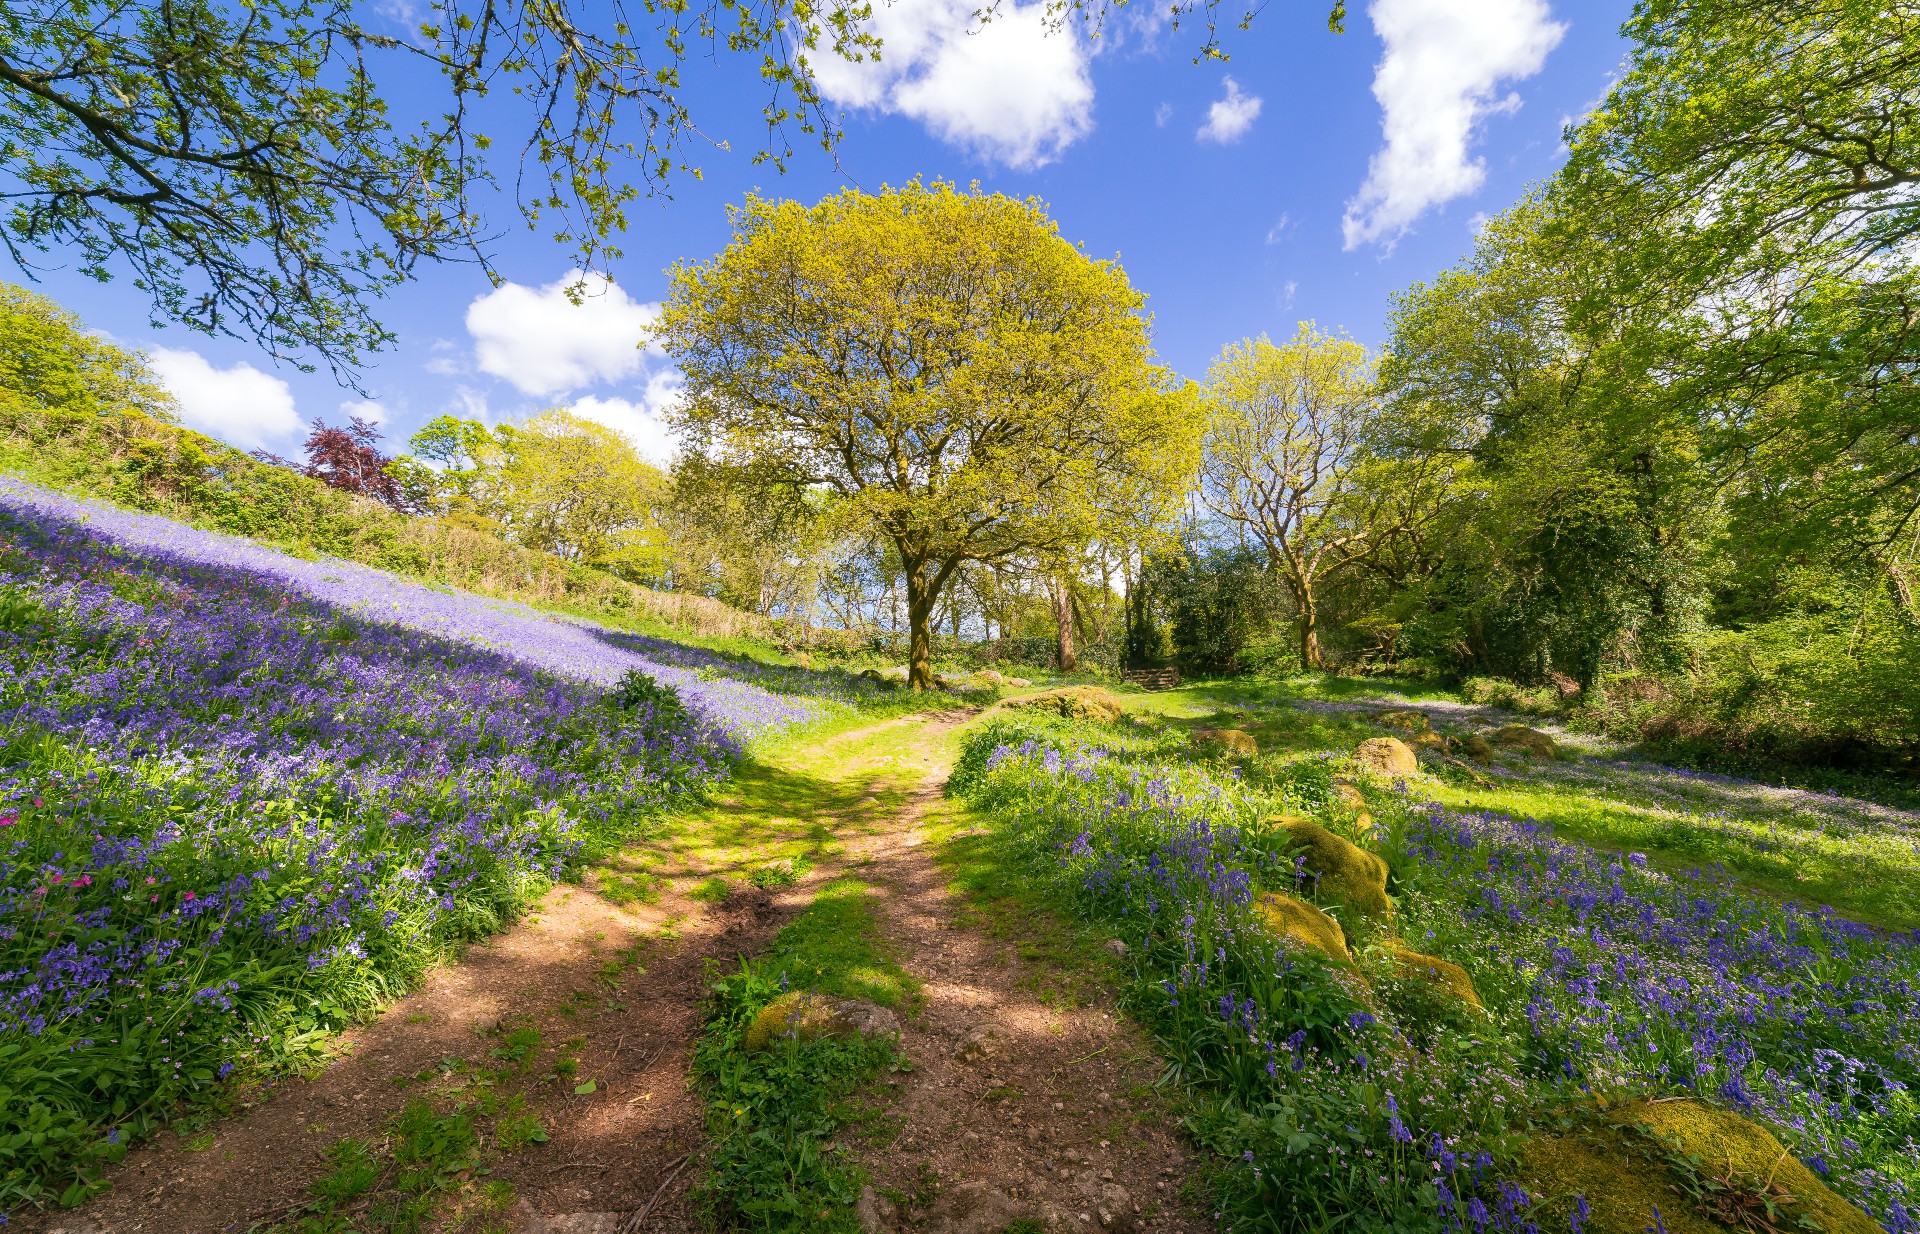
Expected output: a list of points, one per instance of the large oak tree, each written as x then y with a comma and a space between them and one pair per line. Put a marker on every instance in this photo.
966, 383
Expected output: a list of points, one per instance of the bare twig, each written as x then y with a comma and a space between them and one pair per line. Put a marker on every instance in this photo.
635, 1223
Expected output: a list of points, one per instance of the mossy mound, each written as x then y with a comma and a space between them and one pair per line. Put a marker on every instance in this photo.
1476, 746
1532, 740
1443, 976
1304, 924
1406, 720
1624, 1175
1227, 740
810, 1016
1347, 797
1348, 875
1387, 756
1075, 703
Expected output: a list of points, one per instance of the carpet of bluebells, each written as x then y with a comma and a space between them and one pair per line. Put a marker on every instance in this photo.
244, 797
1602, 976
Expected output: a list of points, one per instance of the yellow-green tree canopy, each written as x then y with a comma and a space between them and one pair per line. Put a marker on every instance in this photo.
1291, 459
558, 482
966, 383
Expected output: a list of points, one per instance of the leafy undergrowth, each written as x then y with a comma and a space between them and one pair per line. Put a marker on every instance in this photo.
1376, 1106
779, 1118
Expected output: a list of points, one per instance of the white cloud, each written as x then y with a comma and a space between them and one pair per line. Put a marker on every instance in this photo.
367, 409
542, 343
1230, 117
644, 422
1477, 223
1279, 229
1162, 114
240, 405
1013, 89
1287, 291
1436, 82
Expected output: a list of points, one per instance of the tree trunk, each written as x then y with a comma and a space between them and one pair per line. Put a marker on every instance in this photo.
1063, 621
1309, 632
920, 599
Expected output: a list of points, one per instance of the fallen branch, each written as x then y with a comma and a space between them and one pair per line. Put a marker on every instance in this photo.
634, 1223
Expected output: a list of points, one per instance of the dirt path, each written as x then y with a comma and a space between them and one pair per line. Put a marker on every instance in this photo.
1014, 1108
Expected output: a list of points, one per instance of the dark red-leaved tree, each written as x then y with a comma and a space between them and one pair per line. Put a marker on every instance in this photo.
347, 458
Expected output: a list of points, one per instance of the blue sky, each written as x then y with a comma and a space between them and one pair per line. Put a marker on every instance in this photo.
1308, 177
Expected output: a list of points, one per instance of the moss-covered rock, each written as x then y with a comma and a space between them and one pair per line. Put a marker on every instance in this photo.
1532, 740
1301, 922
1346, 874
1227, 740
1386, 756
1624, 1174
1347, 797
1406, 719
1476, 746
1442, 976
810, 1016
1075, 703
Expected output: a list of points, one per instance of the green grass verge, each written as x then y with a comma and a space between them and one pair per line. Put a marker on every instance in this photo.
783, 1120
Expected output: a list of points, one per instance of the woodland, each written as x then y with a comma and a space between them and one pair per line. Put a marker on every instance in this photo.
989, 781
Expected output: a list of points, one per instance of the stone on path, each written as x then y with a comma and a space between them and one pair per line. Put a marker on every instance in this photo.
527, 1221
808, 1016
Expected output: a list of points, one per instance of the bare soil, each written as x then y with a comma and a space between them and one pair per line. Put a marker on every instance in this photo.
1052, 1107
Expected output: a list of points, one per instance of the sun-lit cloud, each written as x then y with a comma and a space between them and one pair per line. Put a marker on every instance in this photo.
1231, 115
241, 405
1013, 89
542, 343
643, 421
1439, 78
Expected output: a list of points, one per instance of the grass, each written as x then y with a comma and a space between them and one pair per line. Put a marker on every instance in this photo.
429, 1169
1862, 866
786, 809
1064, 961
1856, 855
781, 1119
834, 948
